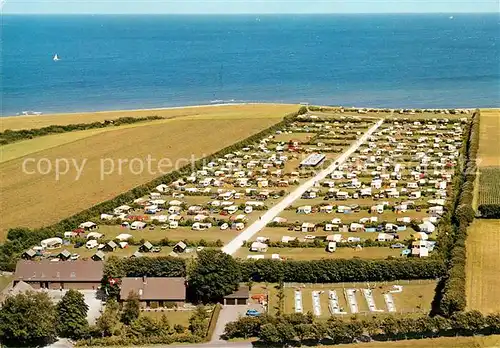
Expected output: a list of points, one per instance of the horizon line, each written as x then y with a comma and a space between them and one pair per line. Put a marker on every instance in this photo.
235, 14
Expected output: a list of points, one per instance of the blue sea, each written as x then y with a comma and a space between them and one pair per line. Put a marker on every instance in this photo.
127, 62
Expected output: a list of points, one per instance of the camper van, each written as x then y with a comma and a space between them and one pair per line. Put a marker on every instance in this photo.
331, 247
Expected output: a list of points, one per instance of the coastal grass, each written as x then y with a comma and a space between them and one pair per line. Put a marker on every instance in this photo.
203, 112
482, 274
36, 200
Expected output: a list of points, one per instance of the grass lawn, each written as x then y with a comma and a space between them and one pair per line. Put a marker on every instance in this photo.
35, 200
483, 257
4, 281
174, 317
489, 142
210, 111
416, 296
441, 342
318, 253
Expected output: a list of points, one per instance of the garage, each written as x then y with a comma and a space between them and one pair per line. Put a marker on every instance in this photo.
239, 297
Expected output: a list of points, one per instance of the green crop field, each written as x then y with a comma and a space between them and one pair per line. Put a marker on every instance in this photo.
489, 185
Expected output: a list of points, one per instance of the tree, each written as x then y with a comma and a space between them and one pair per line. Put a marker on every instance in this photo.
198, 322
304, 331
28, 319
213, 275
269, 333
286, 332
319, 330
109, 322
131, 309
72, 315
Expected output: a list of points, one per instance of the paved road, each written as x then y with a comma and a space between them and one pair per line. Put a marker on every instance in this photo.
251, 230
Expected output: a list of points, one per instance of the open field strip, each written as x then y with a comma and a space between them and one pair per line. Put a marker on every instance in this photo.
249, 232
489, 143
482, 271
441, 342
206, 111
25, 198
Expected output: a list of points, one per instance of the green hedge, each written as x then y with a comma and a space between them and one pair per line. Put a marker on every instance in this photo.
489, 211
10, 136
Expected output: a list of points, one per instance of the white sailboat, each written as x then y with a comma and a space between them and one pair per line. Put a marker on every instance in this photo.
56, 58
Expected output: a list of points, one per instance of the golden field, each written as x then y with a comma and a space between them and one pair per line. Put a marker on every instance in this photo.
209, 111
441, 342
35, 200
482, 271
489, 138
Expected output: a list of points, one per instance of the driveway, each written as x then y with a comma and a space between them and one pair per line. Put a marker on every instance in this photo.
247, 234
91, 299
228, 314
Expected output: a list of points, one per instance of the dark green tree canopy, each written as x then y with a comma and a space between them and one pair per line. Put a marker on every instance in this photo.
72, 315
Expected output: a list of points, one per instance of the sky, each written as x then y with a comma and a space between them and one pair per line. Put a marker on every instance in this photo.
245, 6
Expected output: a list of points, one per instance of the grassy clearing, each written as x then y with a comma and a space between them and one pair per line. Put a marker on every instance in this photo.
207, 112
174, 317
37, 200
489, 143
441, 342
416, 296
483, 256
4, 281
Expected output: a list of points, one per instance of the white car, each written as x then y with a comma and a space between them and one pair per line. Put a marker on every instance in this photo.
224, 226
309, 237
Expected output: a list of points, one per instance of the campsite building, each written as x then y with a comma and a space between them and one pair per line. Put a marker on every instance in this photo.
45, 274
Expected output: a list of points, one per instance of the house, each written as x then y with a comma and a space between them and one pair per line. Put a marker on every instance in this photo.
146, 247
159, 290
180, 247
28, 254
88, 226
308, 227
45, 274
238, 297
258, 247
109, 246
51, 243
137, 225
64, 255
98, 256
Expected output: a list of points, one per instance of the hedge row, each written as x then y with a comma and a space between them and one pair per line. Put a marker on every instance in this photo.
489, 211
273, 271
452, 298
296, 329
10, 136
19, 239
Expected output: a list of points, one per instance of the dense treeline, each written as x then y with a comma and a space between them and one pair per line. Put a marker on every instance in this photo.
303, 328
341, 270
450, 295
10, 136
19, 239
273, 271
489, 211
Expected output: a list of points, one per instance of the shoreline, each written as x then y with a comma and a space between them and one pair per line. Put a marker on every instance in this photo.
63, 114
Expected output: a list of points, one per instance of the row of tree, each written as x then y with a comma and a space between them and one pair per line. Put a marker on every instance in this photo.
31, 319
10, 136
303, 328
489, 211
215, 274
450, 297
19, 239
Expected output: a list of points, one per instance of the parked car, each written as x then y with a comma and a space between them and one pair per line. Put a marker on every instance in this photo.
78, 244
252, 313
152, 227
398, 246
74, 256
156, 249
164, 227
